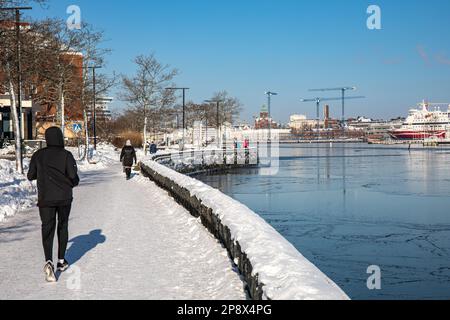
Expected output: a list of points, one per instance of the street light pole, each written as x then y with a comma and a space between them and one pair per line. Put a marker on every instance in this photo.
218, 123
217, 102
19, 78
318, 118
94, 111
95, 108
269, 96
184, 110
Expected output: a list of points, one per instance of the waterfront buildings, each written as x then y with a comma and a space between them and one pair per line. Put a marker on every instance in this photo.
263, 121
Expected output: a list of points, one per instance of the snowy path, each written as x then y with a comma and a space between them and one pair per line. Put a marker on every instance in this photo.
130, 240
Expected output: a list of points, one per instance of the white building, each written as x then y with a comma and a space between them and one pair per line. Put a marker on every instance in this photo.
6, 124
301, 122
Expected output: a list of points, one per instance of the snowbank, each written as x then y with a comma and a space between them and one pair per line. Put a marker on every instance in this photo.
16, 192
7, 151
283, 271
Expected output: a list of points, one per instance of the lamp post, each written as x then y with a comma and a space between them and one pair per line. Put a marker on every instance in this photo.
184, 110
217, 102
269, 100
19, 78
94, 104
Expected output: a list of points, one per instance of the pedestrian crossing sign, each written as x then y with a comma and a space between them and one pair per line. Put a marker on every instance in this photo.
77, 127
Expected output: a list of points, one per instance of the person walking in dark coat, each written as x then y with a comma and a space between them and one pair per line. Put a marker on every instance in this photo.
55, 170
153, 148
128, 157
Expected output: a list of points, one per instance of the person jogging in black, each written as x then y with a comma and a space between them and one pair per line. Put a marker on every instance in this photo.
128, 157
56, 173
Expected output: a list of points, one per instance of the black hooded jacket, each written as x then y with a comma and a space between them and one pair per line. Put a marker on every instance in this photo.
128, 156
55, 170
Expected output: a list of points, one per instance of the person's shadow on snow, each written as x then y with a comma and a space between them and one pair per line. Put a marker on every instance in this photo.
83, 244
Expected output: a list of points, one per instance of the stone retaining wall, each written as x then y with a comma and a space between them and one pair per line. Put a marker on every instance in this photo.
213, 224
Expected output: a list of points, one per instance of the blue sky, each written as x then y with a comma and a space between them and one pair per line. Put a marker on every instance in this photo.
289, 46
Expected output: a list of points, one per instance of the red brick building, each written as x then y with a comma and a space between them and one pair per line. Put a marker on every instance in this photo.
263, 121
40, 102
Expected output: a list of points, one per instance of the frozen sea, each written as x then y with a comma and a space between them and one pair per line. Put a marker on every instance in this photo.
348, 207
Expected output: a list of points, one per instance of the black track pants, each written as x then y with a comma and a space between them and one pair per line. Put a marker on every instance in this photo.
49, 218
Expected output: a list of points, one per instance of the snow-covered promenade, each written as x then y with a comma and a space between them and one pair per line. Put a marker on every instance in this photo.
132, 240
129, 240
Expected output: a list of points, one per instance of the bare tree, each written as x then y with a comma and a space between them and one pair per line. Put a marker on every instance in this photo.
54, 61
145, 91
103, 83
10, 3
198, 112
61, 75
94, 54
9, 72
64, 74
230, 109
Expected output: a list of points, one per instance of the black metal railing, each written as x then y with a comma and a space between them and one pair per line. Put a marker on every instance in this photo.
209, 157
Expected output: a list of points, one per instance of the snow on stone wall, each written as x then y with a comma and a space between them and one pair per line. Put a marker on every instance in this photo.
280, 271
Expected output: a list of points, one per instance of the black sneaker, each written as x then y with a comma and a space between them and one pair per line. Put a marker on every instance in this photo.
49, 271
63, 266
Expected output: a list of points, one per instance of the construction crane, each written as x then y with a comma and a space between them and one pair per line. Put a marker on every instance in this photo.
319, 100
343, 90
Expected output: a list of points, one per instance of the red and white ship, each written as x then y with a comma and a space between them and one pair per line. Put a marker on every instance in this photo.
425, 123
